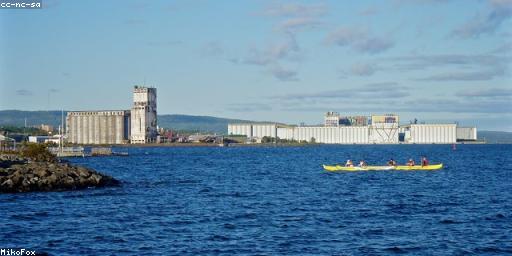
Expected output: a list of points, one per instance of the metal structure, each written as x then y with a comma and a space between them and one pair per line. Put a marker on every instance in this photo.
383, 133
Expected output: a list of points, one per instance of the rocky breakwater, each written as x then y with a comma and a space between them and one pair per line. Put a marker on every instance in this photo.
25, 174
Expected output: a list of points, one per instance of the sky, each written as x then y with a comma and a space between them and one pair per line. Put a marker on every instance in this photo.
283, 61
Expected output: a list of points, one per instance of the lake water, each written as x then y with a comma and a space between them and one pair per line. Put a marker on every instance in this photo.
274, 200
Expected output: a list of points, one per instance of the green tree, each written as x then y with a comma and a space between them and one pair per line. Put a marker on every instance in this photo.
37, 152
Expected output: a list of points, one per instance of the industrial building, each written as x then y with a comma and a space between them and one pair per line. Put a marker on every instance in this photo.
116, 126
44, 139
98, 127
143, 125
466, 133
431, 133
334, 119
380, 129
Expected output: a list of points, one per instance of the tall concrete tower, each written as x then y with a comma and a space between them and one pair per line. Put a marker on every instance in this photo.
143, 115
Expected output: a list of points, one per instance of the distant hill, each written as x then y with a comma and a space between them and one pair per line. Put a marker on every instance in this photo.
175, 122
198, 123
17, 117
495, 137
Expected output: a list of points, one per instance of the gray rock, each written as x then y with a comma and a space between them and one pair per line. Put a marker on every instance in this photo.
25, 176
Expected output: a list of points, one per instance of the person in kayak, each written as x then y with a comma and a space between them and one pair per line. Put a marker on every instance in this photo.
424, 161
410, 162
349, 163
392, 162
362, 163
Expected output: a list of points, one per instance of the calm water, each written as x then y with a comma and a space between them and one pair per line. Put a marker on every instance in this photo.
274, 200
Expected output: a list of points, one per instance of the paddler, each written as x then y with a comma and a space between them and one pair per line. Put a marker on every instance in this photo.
410, 162
391, 162
424, 161
362, 163
349, 163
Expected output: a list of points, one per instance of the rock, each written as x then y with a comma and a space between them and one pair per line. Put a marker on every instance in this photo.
84, 173
26, 176
95, 179
41, 172
7, 183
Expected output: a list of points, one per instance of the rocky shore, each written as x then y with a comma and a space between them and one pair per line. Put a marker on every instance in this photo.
20, 174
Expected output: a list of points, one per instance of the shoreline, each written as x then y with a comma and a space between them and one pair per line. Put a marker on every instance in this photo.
265, 144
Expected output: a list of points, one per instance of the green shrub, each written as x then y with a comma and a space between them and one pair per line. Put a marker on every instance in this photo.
37, 152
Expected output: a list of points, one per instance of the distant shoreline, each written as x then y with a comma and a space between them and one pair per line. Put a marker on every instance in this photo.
186, 145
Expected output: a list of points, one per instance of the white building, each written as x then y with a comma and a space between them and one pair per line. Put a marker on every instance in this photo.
253, 130
116, 126
431, 133
143, 115
98, 127
383, 129
328, 135
466, 133
332, 119
44, 139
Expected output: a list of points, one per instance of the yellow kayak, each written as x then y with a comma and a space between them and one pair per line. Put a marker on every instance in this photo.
335, 168
430, 167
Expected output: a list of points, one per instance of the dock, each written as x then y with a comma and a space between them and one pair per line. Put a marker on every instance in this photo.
68, 151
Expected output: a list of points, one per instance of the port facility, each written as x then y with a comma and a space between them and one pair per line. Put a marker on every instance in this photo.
376, 129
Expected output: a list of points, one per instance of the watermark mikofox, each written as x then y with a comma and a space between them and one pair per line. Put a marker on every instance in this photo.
21, 4
15, 252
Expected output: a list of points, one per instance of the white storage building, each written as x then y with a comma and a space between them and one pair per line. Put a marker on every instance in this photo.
432, 133
330, 135
466, 133
253, 130
376, 133
240, 129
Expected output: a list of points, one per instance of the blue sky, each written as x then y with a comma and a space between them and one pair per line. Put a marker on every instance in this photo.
290, 61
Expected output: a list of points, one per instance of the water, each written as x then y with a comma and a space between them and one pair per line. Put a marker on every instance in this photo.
274, 200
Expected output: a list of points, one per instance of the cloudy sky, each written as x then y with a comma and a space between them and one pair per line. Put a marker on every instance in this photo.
438, 61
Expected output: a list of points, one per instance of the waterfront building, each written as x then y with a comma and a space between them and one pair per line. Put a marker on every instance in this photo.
144, 118
116, 126
382, 129
98, 127
466, 133
332, 119
44, 139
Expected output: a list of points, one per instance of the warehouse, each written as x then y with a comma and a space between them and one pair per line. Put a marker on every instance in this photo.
98, 127
328, 135
253, 130
466, 134
431, 133
382, 129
